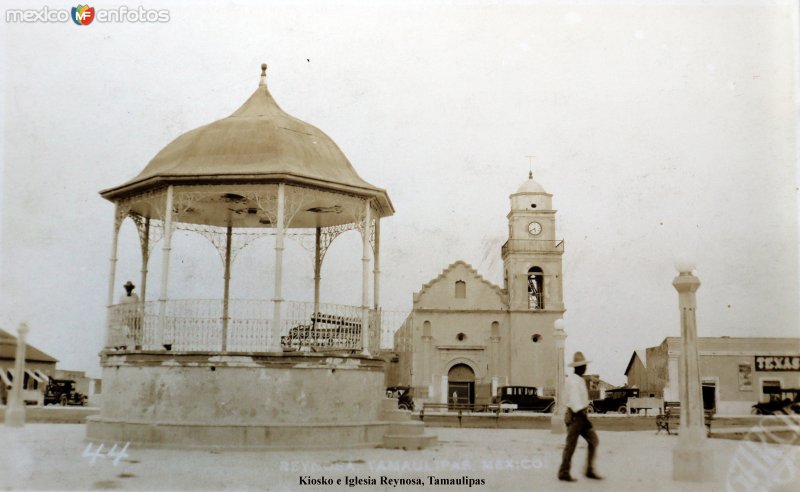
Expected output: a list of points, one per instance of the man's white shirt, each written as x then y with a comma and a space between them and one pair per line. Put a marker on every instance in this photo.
577, 396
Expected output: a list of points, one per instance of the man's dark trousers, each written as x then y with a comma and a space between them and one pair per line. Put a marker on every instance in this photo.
578, 425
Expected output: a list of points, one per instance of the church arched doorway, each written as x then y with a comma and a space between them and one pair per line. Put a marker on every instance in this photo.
460, 385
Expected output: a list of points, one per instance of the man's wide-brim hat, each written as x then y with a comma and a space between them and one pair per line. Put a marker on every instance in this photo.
578, 360
129, 285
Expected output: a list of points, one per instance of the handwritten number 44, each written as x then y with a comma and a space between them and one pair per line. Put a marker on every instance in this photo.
98, 453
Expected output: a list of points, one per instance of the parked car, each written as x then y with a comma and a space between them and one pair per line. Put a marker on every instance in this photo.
403, 395
62, 392
526, 398
616, 400
782, 401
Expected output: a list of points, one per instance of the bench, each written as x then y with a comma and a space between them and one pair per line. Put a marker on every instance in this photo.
460, 408
670, 419
434, 406
638, 405
501, 407
457, 407
495, 408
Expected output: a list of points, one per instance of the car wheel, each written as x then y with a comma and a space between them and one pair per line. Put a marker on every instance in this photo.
755, 411
622, 409
506, 410
633, 411
63, 400
403, 406
590, 409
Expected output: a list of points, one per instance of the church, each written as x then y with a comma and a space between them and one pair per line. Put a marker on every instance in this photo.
466, 336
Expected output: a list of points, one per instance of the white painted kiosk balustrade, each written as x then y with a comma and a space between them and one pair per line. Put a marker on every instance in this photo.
257, 372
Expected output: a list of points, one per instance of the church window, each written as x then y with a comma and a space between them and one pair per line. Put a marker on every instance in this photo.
426, 329
461, 337
535, 288
461, 289
495, 329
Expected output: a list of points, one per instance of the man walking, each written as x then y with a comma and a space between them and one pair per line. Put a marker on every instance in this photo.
577, 402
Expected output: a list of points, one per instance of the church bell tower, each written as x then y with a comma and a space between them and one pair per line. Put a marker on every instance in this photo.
532, 255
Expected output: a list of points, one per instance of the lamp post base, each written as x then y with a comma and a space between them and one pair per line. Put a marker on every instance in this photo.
692, 462
15, 417
557, 425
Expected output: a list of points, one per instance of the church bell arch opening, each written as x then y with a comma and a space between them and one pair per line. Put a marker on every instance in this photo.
535, 288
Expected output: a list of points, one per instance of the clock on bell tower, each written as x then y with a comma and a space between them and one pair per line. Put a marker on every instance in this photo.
532, 255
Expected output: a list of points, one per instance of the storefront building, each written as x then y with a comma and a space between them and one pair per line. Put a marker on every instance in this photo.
39, 368
736, 372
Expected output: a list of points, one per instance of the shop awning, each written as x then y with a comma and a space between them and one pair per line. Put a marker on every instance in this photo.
4, 376
34, 376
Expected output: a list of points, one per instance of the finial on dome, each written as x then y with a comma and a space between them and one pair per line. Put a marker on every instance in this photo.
530, 166
263, 74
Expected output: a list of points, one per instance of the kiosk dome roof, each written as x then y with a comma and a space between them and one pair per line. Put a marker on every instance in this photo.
258, 141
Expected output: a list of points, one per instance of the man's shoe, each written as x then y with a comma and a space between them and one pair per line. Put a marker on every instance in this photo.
593, 475
566, 478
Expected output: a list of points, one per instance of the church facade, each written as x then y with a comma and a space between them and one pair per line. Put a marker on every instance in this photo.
466, 336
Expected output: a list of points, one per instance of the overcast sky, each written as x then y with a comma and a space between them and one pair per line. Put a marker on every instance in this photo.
660, 130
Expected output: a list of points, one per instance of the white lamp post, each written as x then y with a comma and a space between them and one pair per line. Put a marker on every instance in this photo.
15, 412
557, 425
692, 458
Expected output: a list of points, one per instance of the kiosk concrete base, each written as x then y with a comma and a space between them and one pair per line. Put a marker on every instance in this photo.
258, 401
230, 436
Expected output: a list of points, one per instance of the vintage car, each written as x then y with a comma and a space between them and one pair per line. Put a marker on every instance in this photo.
616, 400
62, 392
324, 330
525, 397
403, 395
781, 401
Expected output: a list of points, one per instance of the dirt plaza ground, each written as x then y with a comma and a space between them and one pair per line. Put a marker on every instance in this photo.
56, 457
